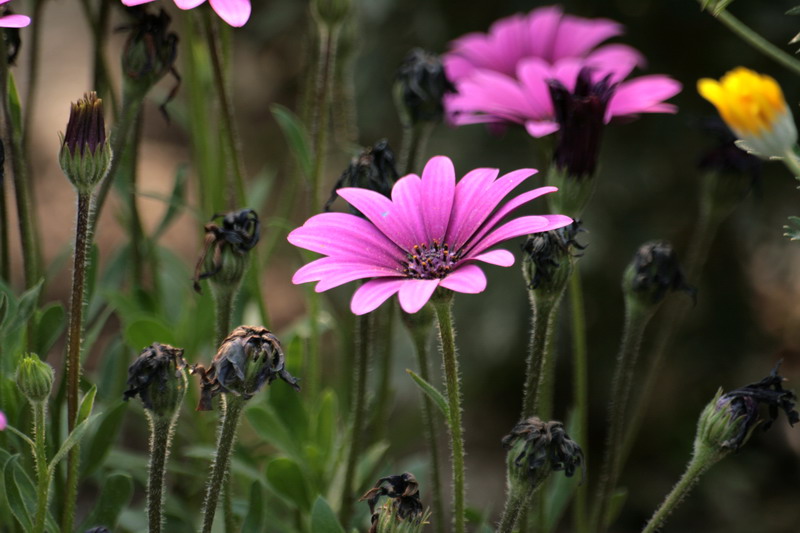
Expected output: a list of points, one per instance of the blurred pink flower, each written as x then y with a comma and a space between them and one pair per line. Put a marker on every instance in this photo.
234, 12
13, 21
429, 234
504, 76
3, 421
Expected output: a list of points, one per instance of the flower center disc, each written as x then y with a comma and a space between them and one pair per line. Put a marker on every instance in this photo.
429, 262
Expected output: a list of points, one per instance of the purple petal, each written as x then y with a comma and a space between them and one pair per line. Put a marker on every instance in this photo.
467, 211
533, 74
578, 35
437, 192
541, 128
188, 4
468, 279
14, 21
388, 218
415, 293
517, 227
543, 24
373, 293
234, 12
6, 1
407, 198
642, 95
502, 258
618, 60
332, 272
346, 237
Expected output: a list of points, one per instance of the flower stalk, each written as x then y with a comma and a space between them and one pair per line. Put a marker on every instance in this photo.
161, 432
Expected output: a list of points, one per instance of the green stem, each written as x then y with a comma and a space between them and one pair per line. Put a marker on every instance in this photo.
516, 503
40, 458
420, 334
540, 365
413, 148
444, 314
792, 163
100, 79
384, 324
223, 299
5, 256
758, 42
83, 239
218, 480
312, 363
636, 318
580, 379
34, 46
364, 335
28, 228
699, 464
161, 431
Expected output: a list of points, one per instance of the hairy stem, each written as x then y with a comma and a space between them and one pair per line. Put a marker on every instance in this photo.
539, 365
580, 379
413, 148
218, 480
161, 431
444, 314
40, 458
516, 503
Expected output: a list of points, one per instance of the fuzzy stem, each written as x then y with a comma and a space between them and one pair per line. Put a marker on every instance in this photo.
83, 239
636, 318
5, 256
539, 365
415, 142
580, 379
223, 300
792, 163
420, 334
758, 42
34, 47
40, 458
161, 431
516, 503
444, 314
364, 345
700, 463
218, 480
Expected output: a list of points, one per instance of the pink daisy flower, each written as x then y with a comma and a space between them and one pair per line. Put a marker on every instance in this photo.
13, 20
3, 421
234, 12
430, 234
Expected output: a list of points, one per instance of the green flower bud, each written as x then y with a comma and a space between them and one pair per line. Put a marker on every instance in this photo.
249, 358
158, 377
653, 273
85, 151
331, 12
34, 378
225, 255
548, 259
403, 512
535, 449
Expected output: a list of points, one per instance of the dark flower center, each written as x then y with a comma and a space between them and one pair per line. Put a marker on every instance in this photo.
429, 261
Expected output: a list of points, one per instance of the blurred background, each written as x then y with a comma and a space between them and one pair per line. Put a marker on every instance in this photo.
746, 316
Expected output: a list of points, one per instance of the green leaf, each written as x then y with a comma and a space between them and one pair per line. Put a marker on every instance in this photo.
14, 105
145, 331
254, 521
3, 308
114, 497
103, 439
26, 306
269, 427
296, 137
615, 504
71, 440
323, 519
288, 480
793, 229
176, 202
794, 11
433, 394
325, 422
50, 323
288, 405
368, 463
87, 404
19, 491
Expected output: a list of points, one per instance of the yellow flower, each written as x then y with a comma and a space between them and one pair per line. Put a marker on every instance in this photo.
753, 106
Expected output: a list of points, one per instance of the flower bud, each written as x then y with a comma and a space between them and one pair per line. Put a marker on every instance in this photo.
729, 419
248, 358
403, 512
420, 86
537, 448
85, 151
150, 51
548, 259
373, 169
34, 378
331, 12
158, 377
654, 271
224, 257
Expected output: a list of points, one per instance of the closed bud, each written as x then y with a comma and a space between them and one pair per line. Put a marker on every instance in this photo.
158, 377
654, 271
402, 511
729, 420
150, 51
225, 254
548, 259
249, 358
331, 12
420, 87
373, 169
85, 151
535, 450
34, 378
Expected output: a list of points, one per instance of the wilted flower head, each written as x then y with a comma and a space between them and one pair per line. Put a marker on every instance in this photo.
420, 86
234, 12
85, 152
405, 505
504, 77
373, 169
11, 20
428, 235
729, 420
158, 377
548, 257
753, 105
34, 378
654, 271
224, 257
249, 358
537, 448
